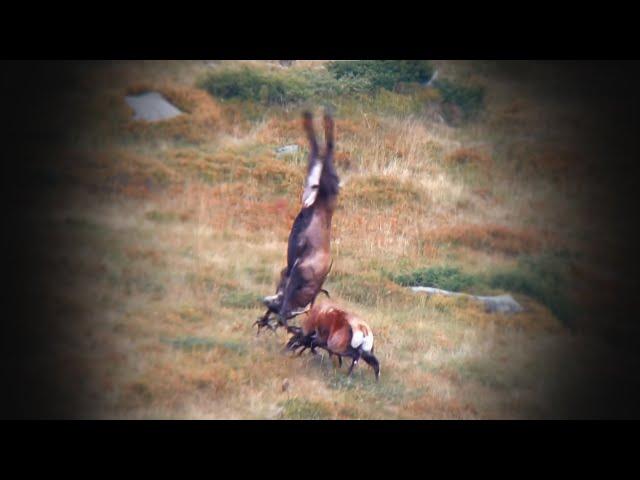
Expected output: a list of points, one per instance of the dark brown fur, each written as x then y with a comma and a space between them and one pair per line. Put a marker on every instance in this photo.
308, 251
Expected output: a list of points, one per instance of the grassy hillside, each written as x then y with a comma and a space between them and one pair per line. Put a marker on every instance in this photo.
171, 233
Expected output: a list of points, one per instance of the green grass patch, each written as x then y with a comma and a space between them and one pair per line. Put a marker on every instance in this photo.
351, 79
275, 87
544, 278
191, 343
301, 409
365, 289
239, 299
444, 277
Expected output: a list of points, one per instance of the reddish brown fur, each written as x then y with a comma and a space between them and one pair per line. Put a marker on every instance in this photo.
331, 326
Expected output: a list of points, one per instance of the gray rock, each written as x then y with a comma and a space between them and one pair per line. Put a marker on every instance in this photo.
493, 304
151, 106
287, 149
501, 304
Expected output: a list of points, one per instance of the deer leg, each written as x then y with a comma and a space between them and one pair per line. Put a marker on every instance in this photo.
263, 322
307, 123
373, 362
356, 357
328, 132
291, 296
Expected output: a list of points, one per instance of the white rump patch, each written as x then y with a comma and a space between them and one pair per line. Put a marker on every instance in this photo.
356, 339
359, 340
367, 343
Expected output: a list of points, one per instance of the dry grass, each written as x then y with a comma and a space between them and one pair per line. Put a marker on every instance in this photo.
181, 226
492, 238
200, 122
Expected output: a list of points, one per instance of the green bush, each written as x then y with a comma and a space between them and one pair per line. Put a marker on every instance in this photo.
468, 99
447, 278
256, 85
382, 73
278, 88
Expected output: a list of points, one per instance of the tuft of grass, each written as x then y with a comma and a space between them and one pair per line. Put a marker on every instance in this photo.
301, 409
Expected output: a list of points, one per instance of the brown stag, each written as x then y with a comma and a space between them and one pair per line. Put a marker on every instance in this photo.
339, 332
308, 252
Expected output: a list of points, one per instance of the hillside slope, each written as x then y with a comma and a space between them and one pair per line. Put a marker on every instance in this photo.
168, 234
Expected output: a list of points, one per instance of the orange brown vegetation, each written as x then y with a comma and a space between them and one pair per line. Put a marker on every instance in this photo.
383, 192
200, 121
469, 156
498, 238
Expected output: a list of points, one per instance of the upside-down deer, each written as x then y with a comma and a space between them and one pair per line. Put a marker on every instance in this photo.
308, 251
339, 332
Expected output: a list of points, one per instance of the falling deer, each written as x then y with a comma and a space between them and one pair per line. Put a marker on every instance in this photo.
308, 251
339, 332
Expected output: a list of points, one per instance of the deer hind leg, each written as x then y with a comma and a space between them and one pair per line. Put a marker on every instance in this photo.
353, 364
355, 355
373, 362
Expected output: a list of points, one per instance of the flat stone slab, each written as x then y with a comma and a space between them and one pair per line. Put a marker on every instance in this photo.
492, 304
152, 107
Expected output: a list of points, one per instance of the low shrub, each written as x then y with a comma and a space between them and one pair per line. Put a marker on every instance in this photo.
447, 278
384, 74
252, 84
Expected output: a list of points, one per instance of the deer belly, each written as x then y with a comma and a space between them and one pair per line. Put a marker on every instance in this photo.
315, 267
339, 340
